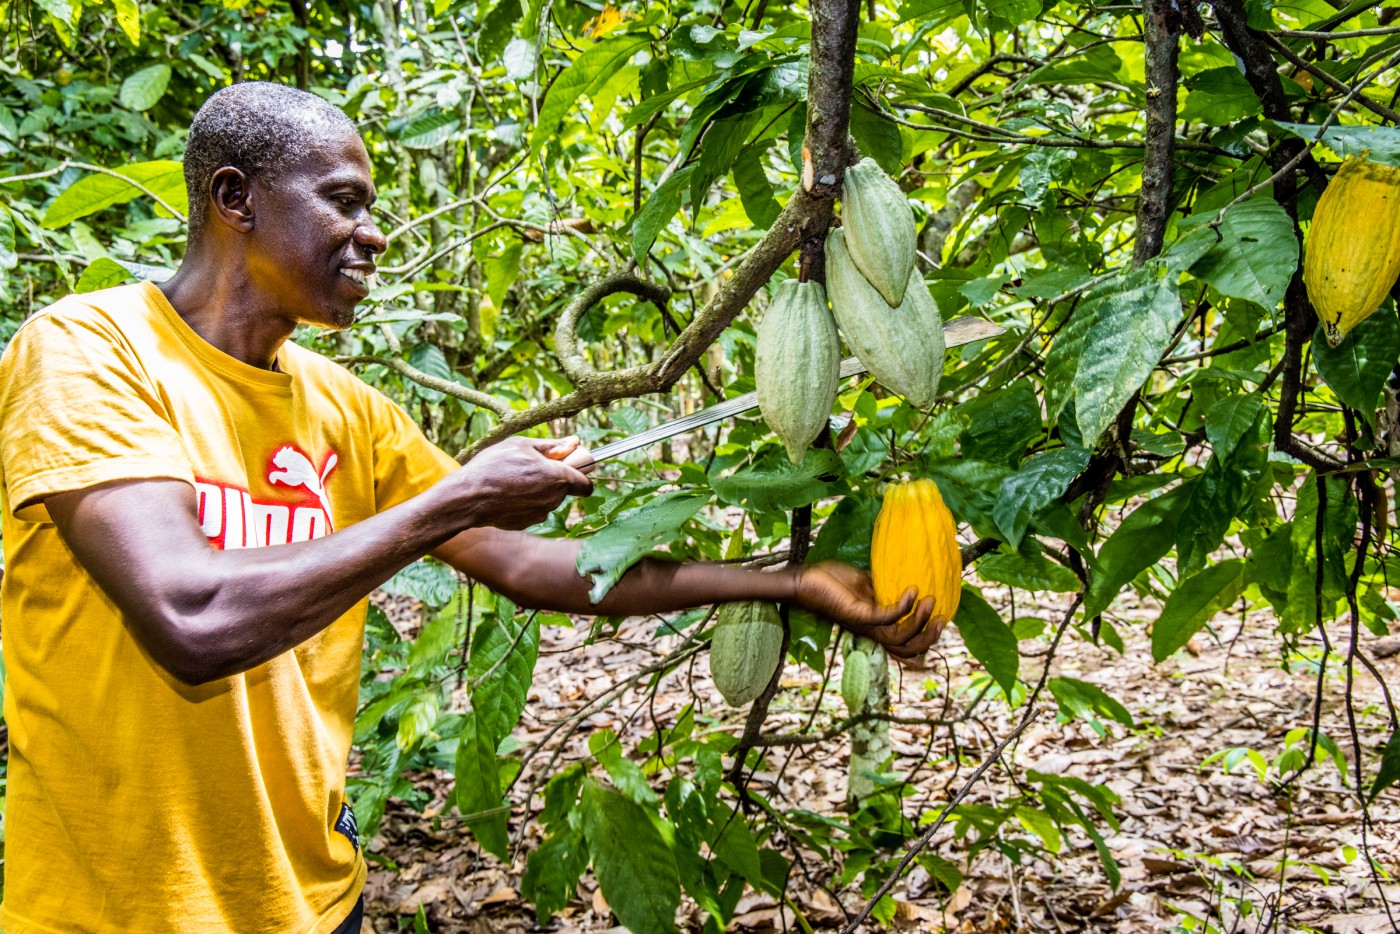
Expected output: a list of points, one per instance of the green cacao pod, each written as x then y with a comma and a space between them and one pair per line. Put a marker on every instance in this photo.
1353, 249
879, 229
745, 650
903, 347
855, 680
798, 365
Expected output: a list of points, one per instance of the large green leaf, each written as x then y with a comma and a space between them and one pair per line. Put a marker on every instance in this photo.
102, 273
1035, 572
989, 639
479, 795
92, 193
552, 871
1357, 368
777, 484
1041, 480
1087, 701
845, 536
658, 210
1139, 542
504, 649
634, 866
1221, 492
1195, 600
607, 554
1133, 323
1254, 254
584, 75
144, 89
1389, 772
1378, 143
429, 581
755, 191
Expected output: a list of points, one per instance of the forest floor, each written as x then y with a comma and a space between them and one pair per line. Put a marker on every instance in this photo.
1197, 846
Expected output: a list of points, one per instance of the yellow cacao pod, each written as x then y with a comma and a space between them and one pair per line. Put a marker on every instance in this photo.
745, 650
916, 545
902, 347
798, 365
1353, 248
879, 229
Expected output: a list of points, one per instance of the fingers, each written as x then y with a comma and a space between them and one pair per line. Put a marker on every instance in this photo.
581, 459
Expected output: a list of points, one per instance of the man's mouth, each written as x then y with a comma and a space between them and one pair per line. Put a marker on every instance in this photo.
358, 276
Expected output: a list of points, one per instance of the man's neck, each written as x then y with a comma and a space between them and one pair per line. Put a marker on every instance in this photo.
218, 300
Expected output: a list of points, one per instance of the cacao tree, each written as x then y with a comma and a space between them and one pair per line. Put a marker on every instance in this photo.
591, 207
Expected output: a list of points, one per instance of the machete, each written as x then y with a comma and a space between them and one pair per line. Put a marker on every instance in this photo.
957, 332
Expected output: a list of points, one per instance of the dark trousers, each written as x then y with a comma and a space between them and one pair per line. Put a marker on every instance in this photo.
351, 925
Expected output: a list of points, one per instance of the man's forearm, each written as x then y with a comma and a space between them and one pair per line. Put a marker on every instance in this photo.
541, 573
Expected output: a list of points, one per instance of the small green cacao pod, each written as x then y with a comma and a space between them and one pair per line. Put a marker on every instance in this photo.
855, 680
902, 347
798, 365
745, 650
879, 229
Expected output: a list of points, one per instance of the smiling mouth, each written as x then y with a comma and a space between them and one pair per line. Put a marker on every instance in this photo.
357, 276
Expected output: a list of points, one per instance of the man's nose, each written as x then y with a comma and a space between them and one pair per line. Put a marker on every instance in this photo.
369, 236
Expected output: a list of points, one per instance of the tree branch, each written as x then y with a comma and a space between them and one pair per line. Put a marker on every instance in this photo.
1161, 25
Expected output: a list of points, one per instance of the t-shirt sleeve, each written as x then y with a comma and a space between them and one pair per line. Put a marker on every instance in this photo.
76, 410
406, 463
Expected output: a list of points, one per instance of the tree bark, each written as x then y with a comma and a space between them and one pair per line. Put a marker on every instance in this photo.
1161, 24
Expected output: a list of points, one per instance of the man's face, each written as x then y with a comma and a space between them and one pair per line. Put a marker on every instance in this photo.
315, 239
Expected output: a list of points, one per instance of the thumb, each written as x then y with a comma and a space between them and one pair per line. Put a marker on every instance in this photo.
556, 449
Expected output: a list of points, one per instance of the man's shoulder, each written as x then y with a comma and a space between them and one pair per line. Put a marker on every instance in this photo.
104, 306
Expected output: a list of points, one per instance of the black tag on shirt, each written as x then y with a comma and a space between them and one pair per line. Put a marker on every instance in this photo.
346, 825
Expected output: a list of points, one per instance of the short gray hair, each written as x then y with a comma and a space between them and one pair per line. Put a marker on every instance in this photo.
258, 127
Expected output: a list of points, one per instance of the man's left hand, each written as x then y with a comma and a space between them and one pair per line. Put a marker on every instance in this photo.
846, 596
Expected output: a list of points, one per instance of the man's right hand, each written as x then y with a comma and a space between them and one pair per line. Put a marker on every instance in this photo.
519, 481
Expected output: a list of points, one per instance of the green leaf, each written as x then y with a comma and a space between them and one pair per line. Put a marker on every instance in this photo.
129, 19
1357, 368
1231, 420
1195, 600
1062, 363
1378, 143
144, 89
1026, 573
989, 639
777, 484
584, 75
505, 647
1254, 255
845, 536
92, 193
607, 554
626, 775
1041, 480
427, 580
1139, 542
755, 191
552, 871
479, 795
1221, 492
1390, 766
428, 130
658, 210
102, 273
1087, 701
496, 29
1000, 424
634, 866
1133, 323
736, 847
877, 136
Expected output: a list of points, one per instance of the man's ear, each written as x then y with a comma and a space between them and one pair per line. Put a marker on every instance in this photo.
231, 192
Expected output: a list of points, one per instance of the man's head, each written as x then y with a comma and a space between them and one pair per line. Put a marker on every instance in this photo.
282, 177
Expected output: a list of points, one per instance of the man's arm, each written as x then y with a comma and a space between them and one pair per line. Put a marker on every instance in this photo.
205, 614
541, 573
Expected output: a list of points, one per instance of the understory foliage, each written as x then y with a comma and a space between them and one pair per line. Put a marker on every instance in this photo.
589, 206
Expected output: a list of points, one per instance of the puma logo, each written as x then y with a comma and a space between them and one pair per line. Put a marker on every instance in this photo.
295, 469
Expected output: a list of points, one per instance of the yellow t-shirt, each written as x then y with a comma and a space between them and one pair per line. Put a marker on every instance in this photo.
137, 803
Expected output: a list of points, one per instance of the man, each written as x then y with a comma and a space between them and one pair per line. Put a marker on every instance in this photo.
195, 510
